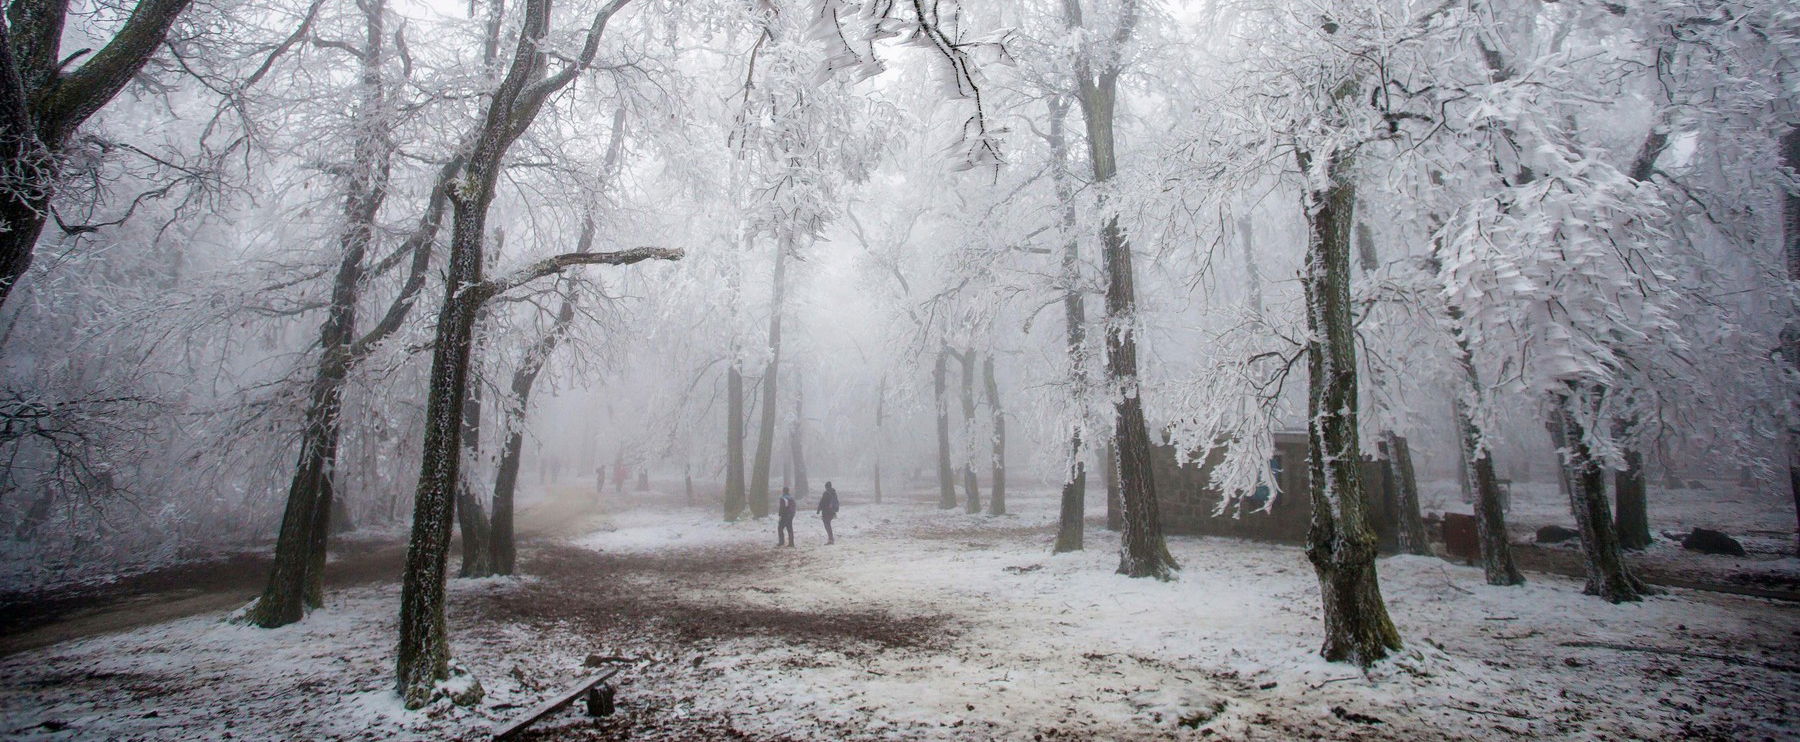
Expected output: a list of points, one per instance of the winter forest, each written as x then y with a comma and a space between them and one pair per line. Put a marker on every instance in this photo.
1173, 369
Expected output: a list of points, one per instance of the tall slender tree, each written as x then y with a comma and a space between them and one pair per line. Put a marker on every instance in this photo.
1142, 551
765, 439
423, 659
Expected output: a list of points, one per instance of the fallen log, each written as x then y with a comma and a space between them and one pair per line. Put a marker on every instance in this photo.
556, 702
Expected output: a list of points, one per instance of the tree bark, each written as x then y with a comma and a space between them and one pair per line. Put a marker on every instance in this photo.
996, 499
971, 487
471, 516
1142, 551
41, 105
1790, 223
1490, 518
1631, 518
765, 443
1340, 544
1412, 523
1109, 468
939, 384
296, 579
1608, 576
423, 658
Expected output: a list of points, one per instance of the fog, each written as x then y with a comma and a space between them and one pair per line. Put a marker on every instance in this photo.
327, 306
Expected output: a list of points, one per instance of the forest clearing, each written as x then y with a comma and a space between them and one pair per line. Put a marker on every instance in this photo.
916, 626
1104, 369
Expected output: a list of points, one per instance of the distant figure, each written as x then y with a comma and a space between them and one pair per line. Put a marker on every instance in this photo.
828, 507
785, 528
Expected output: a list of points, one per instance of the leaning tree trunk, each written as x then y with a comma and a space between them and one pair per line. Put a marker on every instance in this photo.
765, 442
1073, 507
1490, 518
946, 480
1411, 523
796, 444
971, 487
286, 597
423, 657
1340, 544
297, 578
996, 500
1608, 576
45, 95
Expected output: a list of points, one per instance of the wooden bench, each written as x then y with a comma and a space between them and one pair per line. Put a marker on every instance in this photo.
599, 700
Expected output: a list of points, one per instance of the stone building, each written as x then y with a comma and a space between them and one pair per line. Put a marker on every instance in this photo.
1190, 505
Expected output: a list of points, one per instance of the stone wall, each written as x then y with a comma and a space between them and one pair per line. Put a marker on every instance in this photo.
1190, 505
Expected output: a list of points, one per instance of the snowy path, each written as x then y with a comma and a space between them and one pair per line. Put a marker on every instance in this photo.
923, 624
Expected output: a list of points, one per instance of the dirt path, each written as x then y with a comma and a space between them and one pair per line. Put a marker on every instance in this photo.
32, 620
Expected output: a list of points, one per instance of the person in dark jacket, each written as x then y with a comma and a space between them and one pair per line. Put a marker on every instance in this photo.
784, 530
828, 509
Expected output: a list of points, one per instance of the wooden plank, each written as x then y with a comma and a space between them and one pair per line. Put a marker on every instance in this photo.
556, 702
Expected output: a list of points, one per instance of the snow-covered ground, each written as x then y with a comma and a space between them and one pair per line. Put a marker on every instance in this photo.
925, 624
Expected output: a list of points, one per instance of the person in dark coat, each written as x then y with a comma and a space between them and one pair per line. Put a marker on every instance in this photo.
785, 511
828, 509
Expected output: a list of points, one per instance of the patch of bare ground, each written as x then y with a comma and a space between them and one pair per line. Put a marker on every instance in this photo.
600, 594
29, 620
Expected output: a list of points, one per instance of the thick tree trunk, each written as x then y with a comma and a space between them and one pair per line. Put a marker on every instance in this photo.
1411, 522
1072, 523
939, 384
765, 442
286, 597
1631, 518
997, 499
1142, 551
44, 97
971, 487
424, 654
734, 443
1608, 576
1340, 544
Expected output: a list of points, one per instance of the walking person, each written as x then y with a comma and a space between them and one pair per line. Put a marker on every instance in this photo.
828, 509
785, 528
